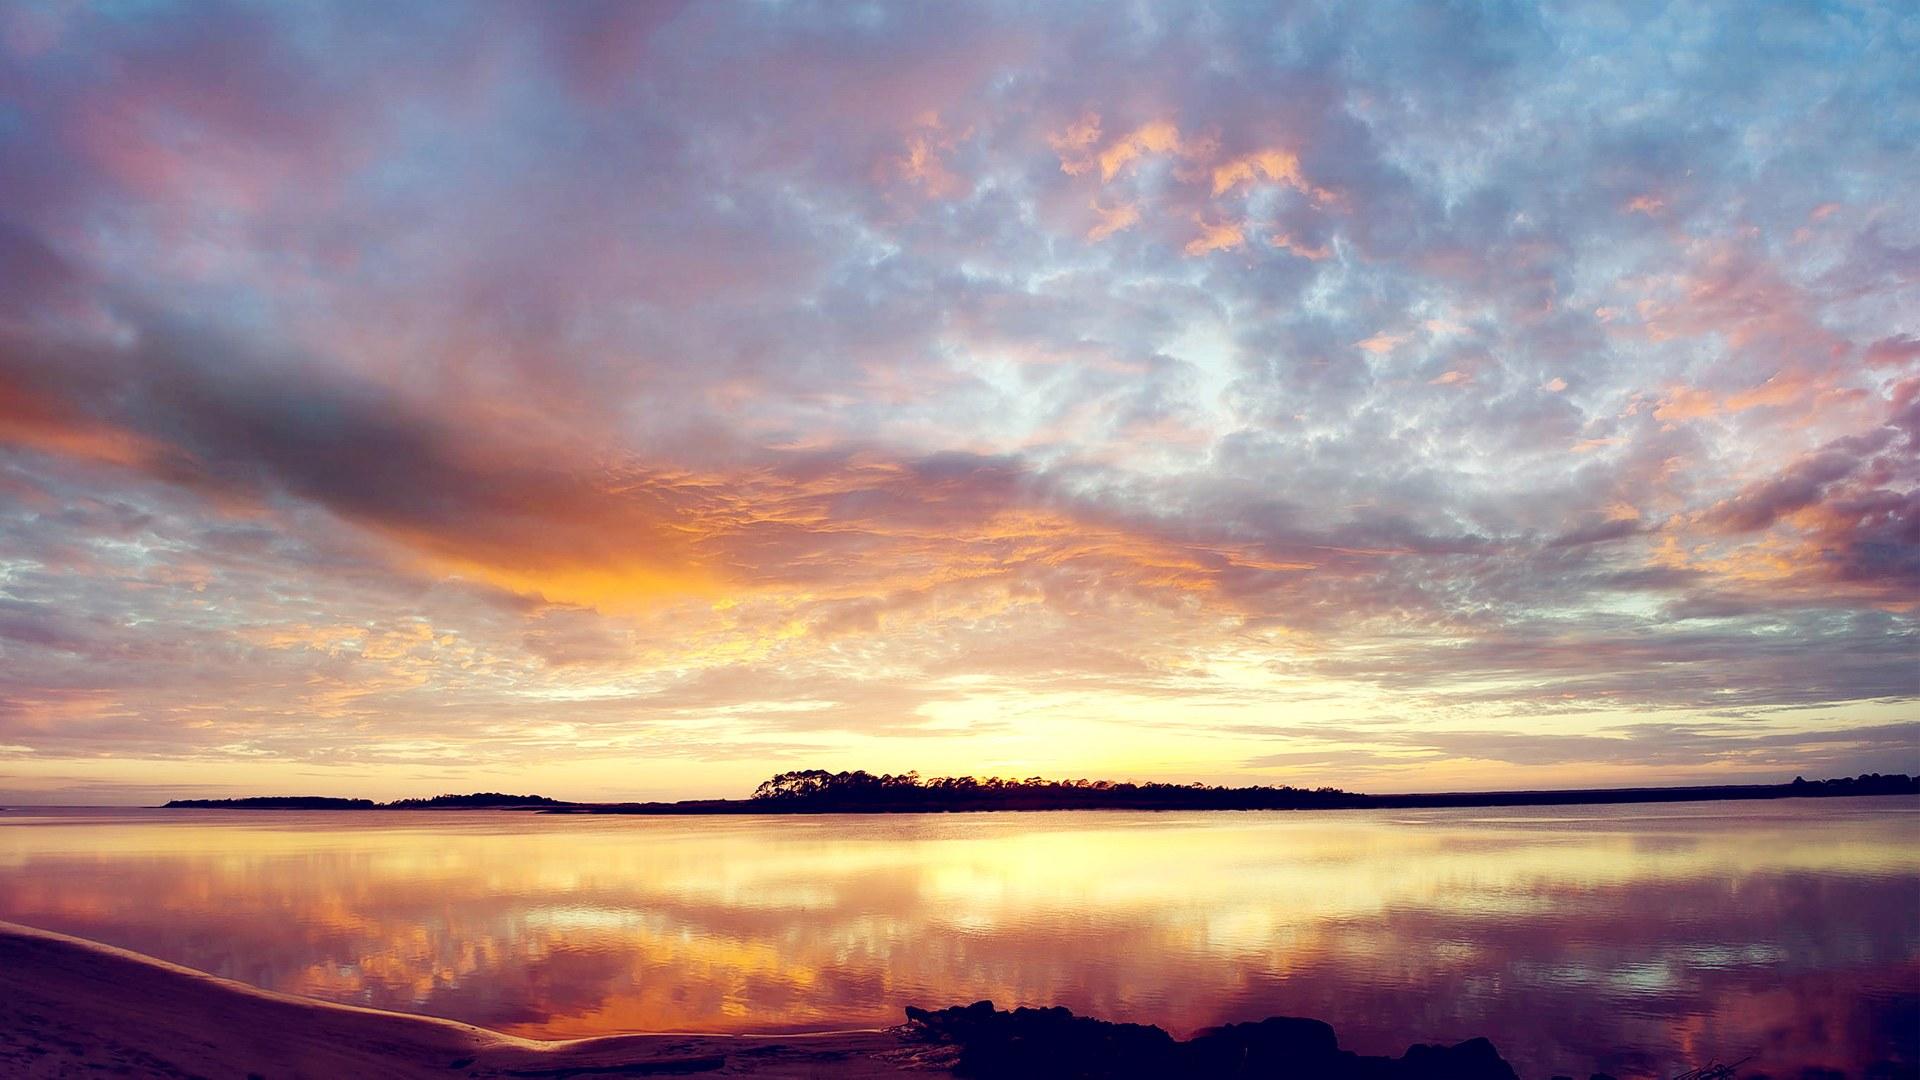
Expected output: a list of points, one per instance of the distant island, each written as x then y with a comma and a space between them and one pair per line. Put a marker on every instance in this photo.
817, 791
479, 800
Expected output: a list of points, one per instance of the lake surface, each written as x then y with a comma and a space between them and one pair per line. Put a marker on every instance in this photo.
1639, 940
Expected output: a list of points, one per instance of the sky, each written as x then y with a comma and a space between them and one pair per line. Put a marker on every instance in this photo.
634, 400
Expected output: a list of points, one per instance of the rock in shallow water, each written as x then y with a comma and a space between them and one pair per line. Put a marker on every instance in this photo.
1054, 1044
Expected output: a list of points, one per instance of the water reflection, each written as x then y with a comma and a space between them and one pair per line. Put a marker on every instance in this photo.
1638, 940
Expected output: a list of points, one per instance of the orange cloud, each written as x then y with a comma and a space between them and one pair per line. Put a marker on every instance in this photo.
1112, 220
1225, 236
1273, 166
1780, 389
1074, 144
1154, 137
1286, 242
1783, 389
1078, 146
39, 423
1686, 403
924, 165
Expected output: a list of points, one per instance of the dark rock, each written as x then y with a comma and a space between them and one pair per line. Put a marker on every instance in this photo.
1054, 1044
1475, 1059
1278, 1045
1045, 1043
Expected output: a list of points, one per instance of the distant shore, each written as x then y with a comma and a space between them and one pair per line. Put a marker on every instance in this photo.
916, 798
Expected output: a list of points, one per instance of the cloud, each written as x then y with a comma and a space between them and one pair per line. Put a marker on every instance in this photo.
1800, 486
1075, 144
1272, 166
1220, 236
925, 163
1111, 220
380, 385
1286, 242
1893, 351
1153, 137
1380, 343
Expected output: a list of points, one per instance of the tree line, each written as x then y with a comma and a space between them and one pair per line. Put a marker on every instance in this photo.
816, 788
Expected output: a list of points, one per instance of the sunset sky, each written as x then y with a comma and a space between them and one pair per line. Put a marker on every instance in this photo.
615, 400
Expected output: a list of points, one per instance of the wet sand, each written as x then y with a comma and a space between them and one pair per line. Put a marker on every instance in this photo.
72, 1008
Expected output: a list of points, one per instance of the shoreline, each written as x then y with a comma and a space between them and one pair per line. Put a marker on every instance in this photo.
73, 1007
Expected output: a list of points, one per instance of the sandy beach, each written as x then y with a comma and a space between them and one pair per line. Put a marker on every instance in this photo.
71, 1008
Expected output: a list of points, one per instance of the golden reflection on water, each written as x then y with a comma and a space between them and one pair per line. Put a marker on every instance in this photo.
1639, 940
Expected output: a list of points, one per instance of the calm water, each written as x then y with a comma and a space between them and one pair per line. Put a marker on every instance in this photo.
1639, 940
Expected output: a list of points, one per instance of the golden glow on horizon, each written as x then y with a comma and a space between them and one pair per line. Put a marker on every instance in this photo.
969, 730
